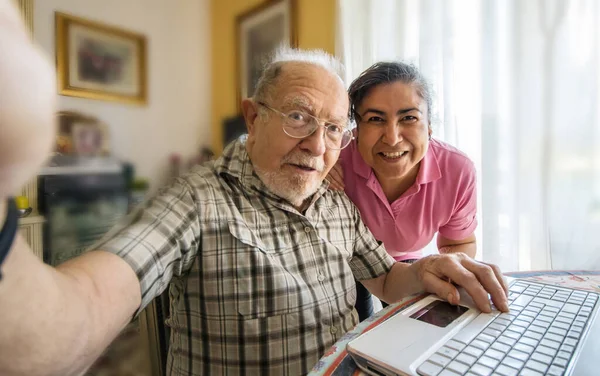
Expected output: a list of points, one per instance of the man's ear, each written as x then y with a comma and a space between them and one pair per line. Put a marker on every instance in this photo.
250, 112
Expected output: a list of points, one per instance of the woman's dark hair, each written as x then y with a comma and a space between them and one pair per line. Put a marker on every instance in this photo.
386, 73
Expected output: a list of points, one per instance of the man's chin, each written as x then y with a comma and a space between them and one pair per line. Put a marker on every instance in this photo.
290, 187
297, 194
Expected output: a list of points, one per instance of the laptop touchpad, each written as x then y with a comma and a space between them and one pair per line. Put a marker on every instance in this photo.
439, 313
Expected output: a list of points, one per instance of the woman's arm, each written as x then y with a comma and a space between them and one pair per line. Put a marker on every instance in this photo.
467, 245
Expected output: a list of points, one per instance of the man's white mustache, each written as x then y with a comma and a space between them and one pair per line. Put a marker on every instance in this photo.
305, 161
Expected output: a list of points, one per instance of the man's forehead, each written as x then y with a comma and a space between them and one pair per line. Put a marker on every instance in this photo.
296, 100
301, 85
303, 73
339, 113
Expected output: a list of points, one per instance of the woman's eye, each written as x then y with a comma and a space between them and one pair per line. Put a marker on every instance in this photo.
375, 119
409, 119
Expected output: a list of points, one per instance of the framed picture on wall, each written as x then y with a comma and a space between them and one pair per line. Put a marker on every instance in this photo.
259, 32
98, 61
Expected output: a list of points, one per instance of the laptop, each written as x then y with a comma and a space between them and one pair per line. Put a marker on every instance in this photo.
550, 330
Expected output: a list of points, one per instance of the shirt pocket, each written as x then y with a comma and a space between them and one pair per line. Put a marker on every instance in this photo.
264, 287
340, 233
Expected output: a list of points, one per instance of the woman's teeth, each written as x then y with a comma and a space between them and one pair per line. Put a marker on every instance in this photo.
397, 154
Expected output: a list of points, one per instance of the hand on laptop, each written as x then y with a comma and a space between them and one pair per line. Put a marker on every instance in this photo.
440, 273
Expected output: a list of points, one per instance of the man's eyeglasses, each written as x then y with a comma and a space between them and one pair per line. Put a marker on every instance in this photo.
301, 124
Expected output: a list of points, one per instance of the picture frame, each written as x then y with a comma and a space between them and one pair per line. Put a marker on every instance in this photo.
259, 32
88, 140
98, 61
81, 135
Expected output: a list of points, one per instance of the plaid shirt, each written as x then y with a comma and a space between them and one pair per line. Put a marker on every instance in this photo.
256, 287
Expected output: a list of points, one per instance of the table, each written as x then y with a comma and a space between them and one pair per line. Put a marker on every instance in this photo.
337, 362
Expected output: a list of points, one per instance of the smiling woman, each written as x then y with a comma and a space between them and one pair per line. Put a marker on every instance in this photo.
407, 186
394, 131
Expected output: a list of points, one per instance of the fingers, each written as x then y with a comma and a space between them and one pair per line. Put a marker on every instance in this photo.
491, 280
336, 178
500, 277
467, 280
479, 280
338, 175
335, 186
444, 289
476, 278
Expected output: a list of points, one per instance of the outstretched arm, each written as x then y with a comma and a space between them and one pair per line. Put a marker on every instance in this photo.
52, 321
58, 321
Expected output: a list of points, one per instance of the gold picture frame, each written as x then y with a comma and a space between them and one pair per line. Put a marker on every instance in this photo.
102, 62
259, 32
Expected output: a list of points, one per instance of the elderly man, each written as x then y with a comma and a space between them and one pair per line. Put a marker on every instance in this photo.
260, 256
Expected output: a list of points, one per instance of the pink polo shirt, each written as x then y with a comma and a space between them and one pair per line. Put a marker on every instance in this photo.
442, 199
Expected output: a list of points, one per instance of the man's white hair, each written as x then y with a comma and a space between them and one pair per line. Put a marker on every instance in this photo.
283, 55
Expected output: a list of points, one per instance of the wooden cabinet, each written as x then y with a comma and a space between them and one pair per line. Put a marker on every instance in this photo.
31, 230
31, 227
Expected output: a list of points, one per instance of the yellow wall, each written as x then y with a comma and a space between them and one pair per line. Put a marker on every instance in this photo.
315, 29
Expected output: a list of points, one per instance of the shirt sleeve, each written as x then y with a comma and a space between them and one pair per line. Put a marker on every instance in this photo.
369, 259
158, 240
463, 221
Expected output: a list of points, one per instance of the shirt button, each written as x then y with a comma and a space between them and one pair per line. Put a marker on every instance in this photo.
307, 229
321, 277
333, 330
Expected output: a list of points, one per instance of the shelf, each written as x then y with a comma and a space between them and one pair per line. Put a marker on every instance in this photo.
31, 219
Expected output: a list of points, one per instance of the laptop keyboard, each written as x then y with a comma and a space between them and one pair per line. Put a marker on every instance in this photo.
537, 337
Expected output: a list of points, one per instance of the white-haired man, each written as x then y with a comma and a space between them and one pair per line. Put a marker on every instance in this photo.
260, 256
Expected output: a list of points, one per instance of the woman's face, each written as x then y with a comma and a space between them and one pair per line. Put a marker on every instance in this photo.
393, 130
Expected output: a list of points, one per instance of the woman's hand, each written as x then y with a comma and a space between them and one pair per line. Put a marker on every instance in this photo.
336, 178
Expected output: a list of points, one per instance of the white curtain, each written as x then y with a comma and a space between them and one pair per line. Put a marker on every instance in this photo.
517, 88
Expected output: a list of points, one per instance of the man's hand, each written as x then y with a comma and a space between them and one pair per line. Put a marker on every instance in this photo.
336, 178
27, 104
439, 273
54, 321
